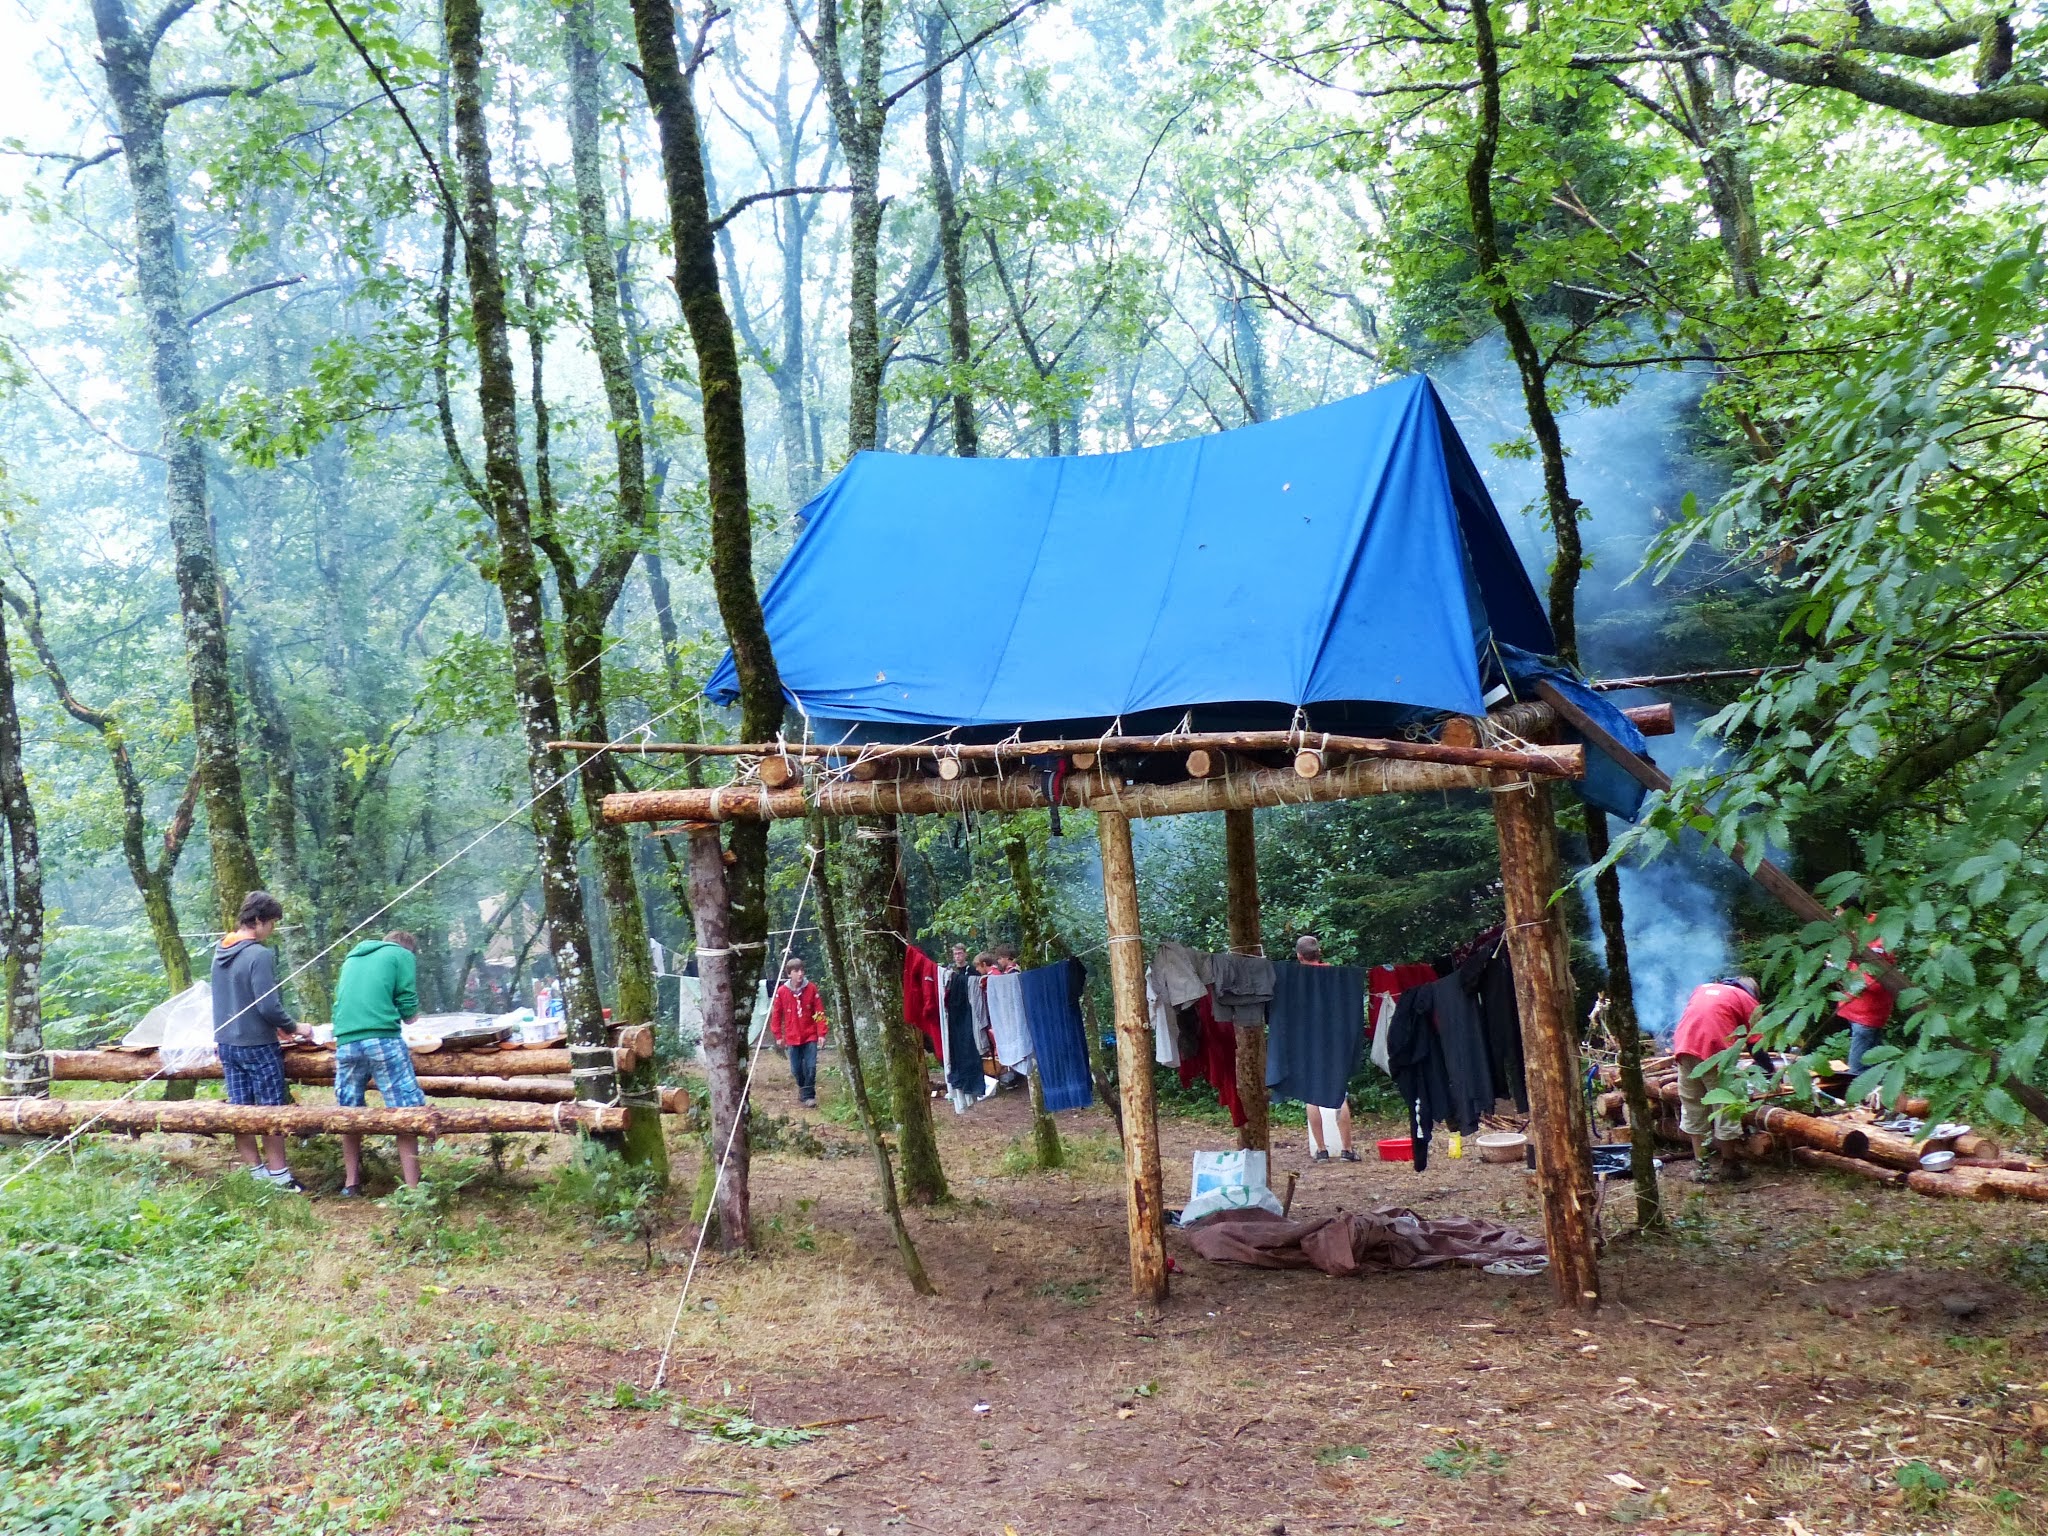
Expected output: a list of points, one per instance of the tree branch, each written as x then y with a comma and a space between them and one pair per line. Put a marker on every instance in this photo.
250, 292
958, 53
752, 198
220, 92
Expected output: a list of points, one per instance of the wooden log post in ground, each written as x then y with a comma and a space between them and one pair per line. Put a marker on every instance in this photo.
211, 1117
724, 1037
1558, 1128
1144, 1206
1241, 866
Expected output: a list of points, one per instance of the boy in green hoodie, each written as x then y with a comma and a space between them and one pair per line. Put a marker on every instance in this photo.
377, 992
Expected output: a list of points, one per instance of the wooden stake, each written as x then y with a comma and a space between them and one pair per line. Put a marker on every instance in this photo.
1527, 827
1241, 867
1144, 1206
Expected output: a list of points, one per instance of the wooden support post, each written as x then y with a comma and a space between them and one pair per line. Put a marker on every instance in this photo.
724, 1042
1558, 1128
1241, 866
1144, 1206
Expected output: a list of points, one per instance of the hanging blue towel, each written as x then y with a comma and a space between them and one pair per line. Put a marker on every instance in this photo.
1607, 785
1052, 1012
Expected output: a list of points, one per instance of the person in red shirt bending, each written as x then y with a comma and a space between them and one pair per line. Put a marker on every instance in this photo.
1714, 1015
796, 1019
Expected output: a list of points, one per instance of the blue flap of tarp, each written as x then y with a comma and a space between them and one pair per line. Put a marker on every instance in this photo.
1346, 553
1607, 785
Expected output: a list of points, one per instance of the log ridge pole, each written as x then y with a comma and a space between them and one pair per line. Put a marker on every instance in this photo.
1144, 1206
1558, 1127
1241, 866
211, 1117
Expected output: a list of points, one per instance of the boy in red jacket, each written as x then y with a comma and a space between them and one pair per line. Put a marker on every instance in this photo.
796, 1020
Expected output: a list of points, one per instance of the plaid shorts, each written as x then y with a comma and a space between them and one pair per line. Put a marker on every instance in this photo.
255, 1074
384, 1059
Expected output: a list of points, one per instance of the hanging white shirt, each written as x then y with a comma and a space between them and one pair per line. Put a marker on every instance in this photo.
1006, 1020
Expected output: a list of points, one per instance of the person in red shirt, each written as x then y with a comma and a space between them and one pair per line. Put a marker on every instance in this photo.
1866, 1006
1714, 1015
796, 1020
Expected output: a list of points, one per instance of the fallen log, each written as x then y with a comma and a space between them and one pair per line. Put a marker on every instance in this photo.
316, 1066
1970, 1144
54, 1117
1844, 1140
2015, 1186
1813, 1157
531, 1090
1951, 1186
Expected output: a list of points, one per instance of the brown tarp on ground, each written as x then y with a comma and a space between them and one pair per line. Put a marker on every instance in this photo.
1388, 1237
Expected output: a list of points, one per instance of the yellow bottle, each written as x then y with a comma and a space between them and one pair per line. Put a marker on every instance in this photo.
1457, 1145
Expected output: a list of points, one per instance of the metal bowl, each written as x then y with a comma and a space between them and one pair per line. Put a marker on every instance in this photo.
1938, 1162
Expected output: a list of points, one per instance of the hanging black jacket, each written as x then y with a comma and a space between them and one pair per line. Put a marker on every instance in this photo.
1415, 1057
963, 1056
1502, 1018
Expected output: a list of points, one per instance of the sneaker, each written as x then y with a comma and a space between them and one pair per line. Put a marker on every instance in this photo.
283, 1180
807, 1103
350, 1192
1319, 1157
1351, 1154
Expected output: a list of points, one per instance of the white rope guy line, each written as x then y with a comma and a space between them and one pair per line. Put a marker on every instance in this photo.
739, 1119
461, 853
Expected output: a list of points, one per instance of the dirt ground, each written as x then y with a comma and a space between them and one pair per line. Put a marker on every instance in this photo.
1799, 1355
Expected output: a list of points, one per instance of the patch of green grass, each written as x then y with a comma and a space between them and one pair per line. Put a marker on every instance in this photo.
1075, 1293
1336, 1455
1463, 1457
425, 1229
1923, 1487
161, 1371
731, 1426
2027, 1263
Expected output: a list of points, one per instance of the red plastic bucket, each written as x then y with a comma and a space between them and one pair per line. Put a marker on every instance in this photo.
1398, 1149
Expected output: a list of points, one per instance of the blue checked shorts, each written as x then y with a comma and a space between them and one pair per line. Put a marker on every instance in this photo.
255, 1074
382, 1059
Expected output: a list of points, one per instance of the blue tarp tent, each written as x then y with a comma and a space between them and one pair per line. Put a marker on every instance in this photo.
1345, 561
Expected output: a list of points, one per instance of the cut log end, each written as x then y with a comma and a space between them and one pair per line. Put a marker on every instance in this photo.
1459, 731
779, 772
1202, 762
950, 768
1081, 762
1308, 765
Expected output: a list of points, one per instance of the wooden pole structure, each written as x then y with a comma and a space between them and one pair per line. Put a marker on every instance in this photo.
1558, 1128
1095, 791
1144, 1204
1241, 868
210, 1117
313, 1066
724, 1041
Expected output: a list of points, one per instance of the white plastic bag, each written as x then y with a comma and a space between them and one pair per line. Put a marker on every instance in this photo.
1229, 1181
181, 1030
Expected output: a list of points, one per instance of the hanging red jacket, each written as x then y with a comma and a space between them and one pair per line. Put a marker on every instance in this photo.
921, 996
796, 1017
1216, 1061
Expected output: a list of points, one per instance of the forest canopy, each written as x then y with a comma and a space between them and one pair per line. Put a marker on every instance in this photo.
393, 388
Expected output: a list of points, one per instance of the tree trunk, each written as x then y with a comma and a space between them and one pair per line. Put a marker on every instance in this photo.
518, 575
27, 1069
1037, 941
725, 449
127, 59
850, 1060
860, 115
1560, 507
871, 860
959, 334
724, 1043
1628, 1034
152, 881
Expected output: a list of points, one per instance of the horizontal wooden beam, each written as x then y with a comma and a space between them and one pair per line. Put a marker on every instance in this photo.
316, 1066
1227, 791
1650, 719
207, 1117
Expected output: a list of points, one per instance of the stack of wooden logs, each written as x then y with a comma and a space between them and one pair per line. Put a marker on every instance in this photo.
508, 1079
1852, 1142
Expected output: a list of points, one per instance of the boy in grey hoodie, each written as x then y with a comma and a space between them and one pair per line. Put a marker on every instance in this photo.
251, 1027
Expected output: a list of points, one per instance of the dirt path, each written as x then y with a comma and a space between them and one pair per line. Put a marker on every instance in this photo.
1746, 1374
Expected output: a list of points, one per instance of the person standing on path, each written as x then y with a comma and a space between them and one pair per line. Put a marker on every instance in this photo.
1308, 950
796, 1020
251, 1029
377, 995
1865, 1006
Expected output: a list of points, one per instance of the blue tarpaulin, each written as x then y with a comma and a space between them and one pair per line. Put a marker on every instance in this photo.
1343, 556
